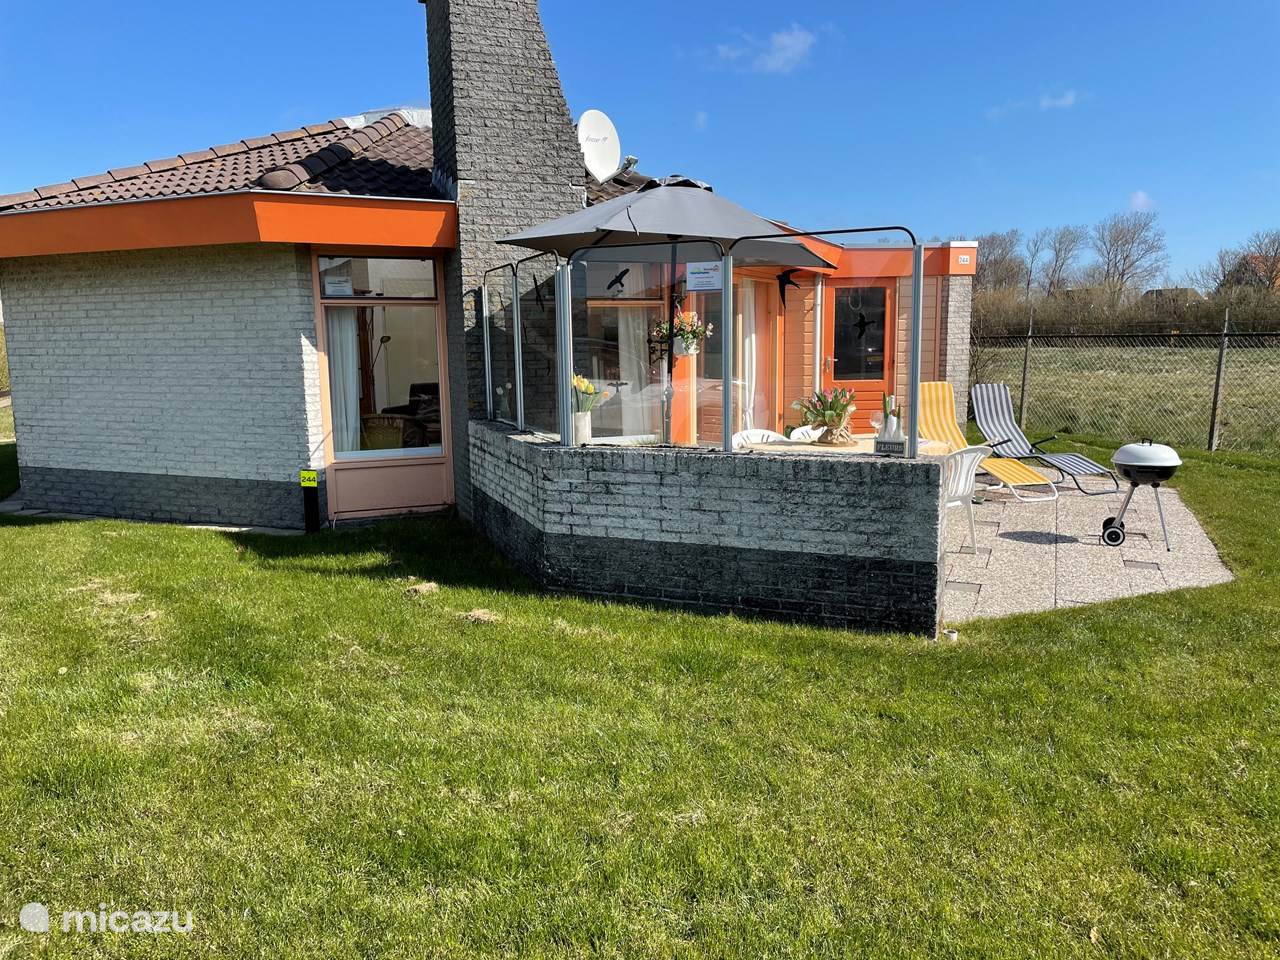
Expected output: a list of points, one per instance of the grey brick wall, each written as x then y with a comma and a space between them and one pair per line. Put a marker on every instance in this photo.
195, 363
844, 541
957, 302
501, 130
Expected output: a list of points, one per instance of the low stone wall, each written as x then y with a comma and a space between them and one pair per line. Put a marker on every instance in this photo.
844, 541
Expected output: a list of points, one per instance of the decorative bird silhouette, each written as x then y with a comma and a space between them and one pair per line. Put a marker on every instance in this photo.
784, 281
862, 324
618, 280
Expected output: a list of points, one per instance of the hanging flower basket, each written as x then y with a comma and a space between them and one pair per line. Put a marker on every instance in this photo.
686, 330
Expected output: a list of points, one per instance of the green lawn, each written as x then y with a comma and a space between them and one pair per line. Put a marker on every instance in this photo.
271, 734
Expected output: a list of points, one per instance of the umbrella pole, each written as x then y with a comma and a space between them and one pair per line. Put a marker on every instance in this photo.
670, 391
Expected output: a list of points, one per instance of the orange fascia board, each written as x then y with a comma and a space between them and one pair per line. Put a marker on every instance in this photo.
896, 262
250, 217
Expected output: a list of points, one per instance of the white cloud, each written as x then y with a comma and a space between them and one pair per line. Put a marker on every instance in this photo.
1141, 200
787, 50
1064, 101
783, 52
701, 119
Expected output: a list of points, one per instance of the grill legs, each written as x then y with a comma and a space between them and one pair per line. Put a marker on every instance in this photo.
1113, 527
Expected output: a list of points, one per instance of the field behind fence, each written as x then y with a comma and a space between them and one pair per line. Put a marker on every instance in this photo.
1126, 387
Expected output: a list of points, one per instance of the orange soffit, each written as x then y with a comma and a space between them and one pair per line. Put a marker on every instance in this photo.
249, 217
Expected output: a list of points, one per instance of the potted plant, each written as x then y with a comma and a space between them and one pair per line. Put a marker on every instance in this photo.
689, 332
892, 427
831, 409
586, 395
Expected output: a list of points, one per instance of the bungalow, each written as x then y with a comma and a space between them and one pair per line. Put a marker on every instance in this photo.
186, 335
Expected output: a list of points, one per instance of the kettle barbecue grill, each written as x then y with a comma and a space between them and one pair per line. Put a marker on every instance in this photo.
1142, 464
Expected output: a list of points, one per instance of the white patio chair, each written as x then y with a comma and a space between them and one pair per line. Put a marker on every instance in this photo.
755, 435
807, 434
962, 467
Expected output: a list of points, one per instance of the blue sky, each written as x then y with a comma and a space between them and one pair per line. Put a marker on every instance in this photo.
955, 118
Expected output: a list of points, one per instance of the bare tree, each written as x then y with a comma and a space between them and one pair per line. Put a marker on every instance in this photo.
1131, 252
1262, 251
1064, 249
1218, 273
1032, 250
1000, 265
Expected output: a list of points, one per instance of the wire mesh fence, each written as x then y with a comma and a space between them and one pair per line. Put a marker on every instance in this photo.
1215, 391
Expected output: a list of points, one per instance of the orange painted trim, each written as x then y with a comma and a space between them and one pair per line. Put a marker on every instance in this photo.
230, 218
896, 262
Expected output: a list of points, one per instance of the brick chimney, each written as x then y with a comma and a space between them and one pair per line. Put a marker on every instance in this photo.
505, 144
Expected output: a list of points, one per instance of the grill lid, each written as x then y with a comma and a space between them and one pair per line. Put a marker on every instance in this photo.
1146, 454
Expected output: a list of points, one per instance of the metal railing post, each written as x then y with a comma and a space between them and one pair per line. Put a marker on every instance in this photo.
917, 326
564, 352
726, 318
488, 353
1217, 382
519, 336
1026, 368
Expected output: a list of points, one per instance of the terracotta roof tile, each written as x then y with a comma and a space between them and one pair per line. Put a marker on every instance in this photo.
390, 158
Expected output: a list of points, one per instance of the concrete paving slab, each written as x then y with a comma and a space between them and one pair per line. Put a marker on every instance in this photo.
1047, 555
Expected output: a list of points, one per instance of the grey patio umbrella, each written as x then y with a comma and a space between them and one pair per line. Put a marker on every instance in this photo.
662, 211
668, 211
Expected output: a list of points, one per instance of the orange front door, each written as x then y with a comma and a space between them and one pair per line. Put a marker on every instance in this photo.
857, 342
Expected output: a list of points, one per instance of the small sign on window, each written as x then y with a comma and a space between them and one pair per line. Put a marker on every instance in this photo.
702, 276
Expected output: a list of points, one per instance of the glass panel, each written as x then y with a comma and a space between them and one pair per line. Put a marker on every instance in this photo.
633, 387
502, 344
859, 332
384, 379
537, 286
377, 277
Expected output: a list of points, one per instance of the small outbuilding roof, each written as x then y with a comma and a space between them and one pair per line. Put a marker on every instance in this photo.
390, 157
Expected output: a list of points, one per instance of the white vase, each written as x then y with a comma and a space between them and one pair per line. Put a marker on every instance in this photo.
581, 427
891, 430
685, 350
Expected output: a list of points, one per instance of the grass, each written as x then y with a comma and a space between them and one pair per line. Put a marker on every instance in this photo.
1146, 391
272, 734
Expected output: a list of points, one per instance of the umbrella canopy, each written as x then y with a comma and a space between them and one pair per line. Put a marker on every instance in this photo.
663, 210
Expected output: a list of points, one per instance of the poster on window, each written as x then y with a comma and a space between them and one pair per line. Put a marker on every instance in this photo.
702, 276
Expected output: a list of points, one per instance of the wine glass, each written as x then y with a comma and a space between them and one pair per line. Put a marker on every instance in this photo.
877, 420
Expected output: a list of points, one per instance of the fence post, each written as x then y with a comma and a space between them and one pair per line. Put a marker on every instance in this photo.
1217, 383
1026, 369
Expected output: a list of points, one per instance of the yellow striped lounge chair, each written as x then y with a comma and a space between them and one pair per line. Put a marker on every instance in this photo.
938, 422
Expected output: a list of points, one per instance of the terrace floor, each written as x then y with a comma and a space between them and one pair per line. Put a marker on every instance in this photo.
1038, 556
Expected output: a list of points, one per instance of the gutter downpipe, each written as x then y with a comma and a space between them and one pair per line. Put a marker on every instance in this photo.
819, 316
917, 325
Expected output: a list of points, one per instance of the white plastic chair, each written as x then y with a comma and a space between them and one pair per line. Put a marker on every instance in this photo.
755, 435
962, 467
807, 434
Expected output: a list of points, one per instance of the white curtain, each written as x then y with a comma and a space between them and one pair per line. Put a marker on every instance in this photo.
343, 345
633, 361
747, 337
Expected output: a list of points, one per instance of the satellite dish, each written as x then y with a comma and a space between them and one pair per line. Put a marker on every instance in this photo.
600, 146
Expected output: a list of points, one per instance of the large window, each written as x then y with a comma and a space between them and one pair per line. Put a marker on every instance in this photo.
382, 337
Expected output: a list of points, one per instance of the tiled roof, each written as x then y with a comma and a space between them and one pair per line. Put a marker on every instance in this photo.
619, 186
388, 158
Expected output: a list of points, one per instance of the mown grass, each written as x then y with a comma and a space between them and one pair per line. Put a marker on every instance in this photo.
272, 734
